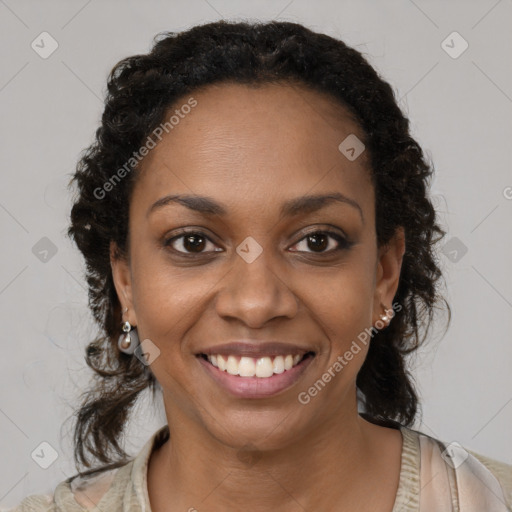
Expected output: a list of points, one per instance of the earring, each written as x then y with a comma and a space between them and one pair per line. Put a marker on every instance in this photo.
386, 318
128, 341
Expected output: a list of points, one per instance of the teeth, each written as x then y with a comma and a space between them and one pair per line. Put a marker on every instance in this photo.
249, 366
264, 367
232, 365
278, 366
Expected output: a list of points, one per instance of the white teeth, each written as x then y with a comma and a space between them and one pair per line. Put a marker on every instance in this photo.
232, 365
246, 367
249, 366
278, 364
264, 367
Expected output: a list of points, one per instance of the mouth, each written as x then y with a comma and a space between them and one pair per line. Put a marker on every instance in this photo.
260, 367
255, 377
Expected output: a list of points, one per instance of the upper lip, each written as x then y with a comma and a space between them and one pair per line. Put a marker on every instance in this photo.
260, 349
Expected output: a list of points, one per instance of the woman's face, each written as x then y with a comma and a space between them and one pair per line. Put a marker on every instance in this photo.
256, 273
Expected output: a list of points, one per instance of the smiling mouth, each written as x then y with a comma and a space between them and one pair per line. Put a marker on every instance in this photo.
262, 367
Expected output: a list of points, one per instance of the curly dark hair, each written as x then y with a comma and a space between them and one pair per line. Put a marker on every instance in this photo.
141, 90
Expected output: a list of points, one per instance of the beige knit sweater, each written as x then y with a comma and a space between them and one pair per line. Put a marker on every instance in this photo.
434, 477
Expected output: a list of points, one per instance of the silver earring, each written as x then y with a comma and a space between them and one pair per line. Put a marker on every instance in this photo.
128, 341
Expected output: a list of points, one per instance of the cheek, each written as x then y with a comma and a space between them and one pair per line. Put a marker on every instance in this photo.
345, 299
160, 297
167, 308
166, 302
346, 327
169, 300
343, 307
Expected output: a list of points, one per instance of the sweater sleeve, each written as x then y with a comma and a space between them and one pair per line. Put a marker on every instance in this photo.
36, 503
81, 494
502, 473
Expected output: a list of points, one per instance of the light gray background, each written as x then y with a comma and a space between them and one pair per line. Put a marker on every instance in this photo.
460, 112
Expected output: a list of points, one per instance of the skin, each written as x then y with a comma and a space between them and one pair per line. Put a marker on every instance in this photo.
252, 149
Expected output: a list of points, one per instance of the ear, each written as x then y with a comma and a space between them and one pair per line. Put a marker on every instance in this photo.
389, 265
121, 275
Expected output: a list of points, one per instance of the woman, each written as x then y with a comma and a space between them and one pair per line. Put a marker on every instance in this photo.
259, 241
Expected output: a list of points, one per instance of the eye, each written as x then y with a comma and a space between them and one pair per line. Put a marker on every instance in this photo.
193, 242
319, 241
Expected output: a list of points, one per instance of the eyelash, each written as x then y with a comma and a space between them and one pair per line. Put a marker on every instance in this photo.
343, 243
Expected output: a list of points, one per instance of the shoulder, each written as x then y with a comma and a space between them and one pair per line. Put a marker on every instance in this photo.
36, 503
500, 470
475, 476
114, 488
80, 493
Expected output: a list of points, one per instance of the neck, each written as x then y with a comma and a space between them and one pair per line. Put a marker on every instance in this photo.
332, 463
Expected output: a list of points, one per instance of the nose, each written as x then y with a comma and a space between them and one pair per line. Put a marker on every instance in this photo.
256, 291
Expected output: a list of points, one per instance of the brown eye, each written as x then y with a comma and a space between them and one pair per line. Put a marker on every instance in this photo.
189, 243
194, 243
319, 241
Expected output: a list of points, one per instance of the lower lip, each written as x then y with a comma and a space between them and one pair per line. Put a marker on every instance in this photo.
256, 387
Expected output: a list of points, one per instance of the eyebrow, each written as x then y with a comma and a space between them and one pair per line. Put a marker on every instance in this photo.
300, 205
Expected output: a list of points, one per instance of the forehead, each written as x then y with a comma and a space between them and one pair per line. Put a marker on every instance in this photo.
268, 142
